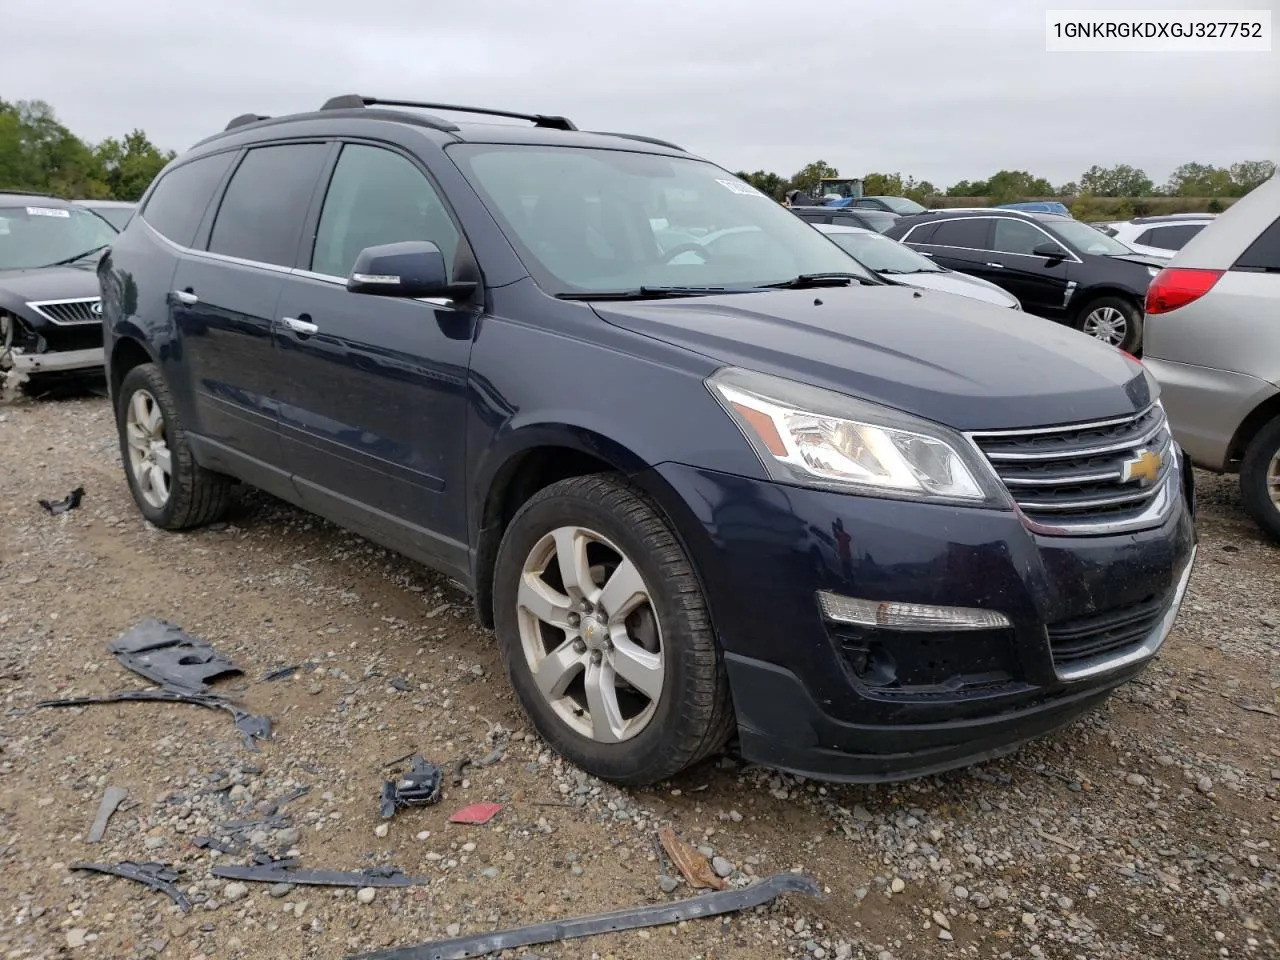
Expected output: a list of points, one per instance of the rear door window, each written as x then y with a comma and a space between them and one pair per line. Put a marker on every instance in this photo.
970, 233
1172, 237
1263, 255
178, 202
262, 212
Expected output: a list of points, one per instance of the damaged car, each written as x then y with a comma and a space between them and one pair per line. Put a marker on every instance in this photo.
738, 486
50, 307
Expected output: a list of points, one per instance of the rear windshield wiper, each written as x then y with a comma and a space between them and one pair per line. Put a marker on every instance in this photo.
649, 293
78, 256
806, 280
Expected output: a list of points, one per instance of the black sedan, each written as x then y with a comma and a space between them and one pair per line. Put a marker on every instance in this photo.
1057, 267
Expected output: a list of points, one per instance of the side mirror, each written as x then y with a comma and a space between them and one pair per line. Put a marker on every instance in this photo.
1051, 250
410, 269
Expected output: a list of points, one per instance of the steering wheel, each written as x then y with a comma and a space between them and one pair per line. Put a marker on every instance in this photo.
675, 251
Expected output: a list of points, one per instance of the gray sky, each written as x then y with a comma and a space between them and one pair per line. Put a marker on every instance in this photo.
942, 89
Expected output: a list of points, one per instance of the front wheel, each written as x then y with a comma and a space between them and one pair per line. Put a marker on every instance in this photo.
606, 635
1112, 320
1260, 478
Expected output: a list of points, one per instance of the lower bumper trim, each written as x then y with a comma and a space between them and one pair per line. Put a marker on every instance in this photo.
30, 363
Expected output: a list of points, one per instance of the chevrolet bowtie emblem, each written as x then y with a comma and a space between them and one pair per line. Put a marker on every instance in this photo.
1144, 467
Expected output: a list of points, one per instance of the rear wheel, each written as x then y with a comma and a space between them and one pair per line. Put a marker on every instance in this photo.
1260, 478
606, 633
1112, 320
169, 487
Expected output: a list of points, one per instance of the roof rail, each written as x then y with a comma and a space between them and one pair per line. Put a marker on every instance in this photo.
244, 118
350, 100
635, 136
1165, 217
29, 193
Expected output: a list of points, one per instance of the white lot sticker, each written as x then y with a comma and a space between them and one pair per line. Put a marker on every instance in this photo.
745, 189
47, 212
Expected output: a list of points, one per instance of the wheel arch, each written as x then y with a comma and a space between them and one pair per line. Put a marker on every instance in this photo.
128, 350
534, 458
1086, 297
1250, 426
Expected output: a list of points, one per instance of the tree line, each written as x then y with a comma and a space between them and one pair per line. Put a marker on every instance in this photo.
1200, 180
40, 154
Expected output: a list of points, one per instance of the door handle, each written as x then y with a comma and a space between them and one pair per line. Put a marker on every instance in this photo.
298, 325
998, 266
186, 296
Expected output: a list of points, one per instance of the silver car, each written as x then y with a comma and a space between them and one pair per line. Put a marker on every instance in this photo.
1213, 343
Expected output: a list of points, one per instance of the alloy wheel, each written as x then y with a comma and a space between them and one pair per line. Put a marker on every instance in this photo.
590, 634
1108, 324
149, 458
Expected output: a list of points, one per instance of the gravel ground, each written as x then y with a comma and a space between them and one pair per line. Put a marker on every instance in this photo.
1148, 829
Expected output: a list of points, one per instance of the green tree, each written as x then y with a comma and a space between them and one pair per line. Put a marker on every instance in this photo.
129, 166
1249, 174
1121, 180
809, 175
969, 188
1200, 180
1009, 185
884, 185
767, 182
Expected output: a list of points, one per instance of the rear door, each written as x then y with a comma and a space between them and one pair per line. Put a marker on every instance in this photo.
373, 389
224, 297
959, 244
1169, 237
1040, 283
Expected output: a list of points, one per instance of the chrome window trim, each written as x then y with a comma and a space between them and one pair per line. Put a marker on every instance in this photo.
1071, 258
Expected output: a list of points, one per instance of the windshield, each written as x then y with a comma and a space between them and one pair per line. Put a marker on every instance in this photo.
902, 206
32, 236
1084, 237
607, 221
883, 255
118, 217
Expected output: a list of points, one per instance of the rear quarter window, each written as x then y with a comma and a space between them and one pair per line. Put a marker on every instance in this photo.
178, 202
1263, 255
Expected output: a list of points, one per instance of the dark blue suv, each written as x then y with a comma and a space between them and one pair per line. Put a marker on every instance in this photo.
702, 472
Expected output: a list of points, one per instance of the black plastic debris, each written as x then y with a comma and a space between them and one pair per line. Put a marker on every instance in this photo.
251, 727
165, 654
633, 918
279, 673
183, 666
158, 876
285, 872
420, 787
233, 846
72, 501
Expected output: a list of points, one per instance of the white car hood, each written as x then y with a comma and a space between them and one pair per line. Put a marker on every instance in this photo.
959, 283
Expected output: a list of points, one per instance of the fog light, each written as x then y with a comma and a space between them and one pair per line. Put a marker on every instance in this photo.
908, 616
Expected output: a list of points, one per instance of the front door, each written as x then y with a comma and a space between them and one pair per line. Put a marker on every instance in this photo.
223, 298
1039, 282
373, 389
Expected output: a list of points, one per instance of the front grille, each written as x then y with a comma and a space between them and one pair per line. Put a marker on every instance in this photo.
1101, 633
1105, 471
85, 310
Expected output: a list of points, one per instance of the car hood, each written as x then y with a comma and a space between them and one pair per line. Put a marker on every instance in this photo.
959, 283
49, 283
949, 359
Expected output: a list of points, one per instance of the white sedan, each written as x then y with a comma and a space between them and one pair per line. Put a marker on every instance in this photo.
899, 263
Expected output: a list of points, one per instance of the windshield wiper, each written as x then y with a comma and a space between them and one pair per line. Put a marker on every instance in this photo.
649, 293
806, 280
78, 256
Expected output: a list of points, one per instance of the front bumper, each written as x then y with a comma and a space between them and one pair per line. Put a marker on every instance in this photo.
839, 703
58, 361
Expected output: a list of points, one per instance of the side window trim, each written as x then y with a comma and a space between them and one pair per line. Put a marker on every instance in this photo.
214, 198
205, 233
951, 246
306, 246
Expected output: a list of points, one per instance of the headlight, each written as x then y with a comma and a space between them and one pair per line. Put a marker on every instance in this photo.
818, 438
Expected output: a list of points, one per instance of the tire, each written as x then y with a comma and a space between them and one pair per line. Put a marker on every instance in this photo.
644, 740
1255, 469
193, 496
1099, 314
